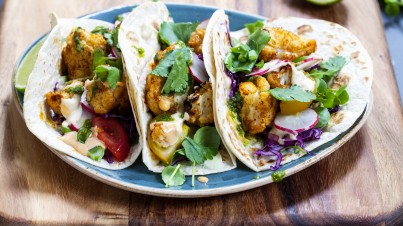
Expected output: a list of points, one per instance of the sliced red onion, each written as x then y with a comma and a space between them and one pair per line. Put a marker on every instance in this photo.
85, 104
198, 70
309, 63
228, 33
272, 65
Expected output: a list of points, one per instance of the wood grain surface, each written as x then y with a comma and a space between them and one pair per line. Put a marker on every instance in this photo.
361, 183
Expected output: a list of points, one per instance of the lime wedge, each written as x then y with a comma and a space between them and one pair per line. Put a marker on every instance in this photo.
26, 66
323, 2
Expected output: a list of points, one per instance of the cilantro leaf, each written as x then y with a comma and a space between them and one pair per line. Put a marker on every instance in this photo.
173, 176
324, 117
208, 137
293, 93
330, 98
65, 129
329, 68
77, 40
197, 153
96, 153
163, 67
98, 58
278, 175
178, 77
109, 74
173, 32
84, 132
299, 59
242, 57
252, 27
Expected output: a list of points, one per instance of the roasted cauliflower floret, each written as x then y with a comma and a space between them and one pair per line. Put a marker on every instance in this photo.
281, 78
54, 99
196, 40
103, 99
259, 107
157, 102
201, 112
284, 44
77, 54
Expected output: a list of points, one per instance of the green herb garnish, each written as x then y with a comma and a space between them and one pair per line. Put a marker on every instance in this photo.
173, 32
242, 57
299, 59
163, 118
328, 69
324, 117
252, 27
79, 89
173, 175
293, 93
178, 77
84, 132
278, 175
77, 40
392, 7
65, 129
165, 64
109, 74
96, 153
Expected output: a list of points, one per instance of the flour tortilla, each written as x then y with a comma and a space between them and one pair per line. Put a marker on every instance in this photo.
332, 40
42, 80
151, 15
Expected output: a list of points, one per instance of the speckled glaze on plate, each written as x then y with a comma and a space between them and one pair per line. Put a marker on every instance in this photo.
137, 178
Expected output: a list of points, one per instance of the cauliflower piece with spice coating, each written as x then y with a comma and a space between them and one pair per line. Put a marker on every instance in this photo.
201, 112
77, 54
281, 78
196, 40
157, 102
103, 99
259, 107
54, 99
284, 45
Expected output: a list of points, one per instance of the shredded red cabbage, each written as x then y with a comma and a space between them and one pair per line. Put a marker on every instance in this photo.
108, 156
234, 83
55, 87
272, 147
73, 127
333, 110
179, 159
228, 34
200, 56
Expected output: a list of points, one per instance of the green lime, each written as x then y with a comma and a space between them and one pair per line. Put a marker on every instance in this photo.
323, 2
26, 66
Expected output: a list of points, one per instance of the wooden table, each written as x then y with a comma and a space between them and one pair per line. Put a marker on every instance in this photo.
359, 184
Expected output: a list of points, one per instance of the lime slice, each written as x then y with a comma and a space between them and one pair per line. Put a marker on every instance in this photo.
323, 2
26, 66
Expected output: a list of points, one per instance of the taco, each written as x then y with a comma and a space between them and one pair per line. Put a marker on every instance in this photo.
172, 93
286, 86
76, 100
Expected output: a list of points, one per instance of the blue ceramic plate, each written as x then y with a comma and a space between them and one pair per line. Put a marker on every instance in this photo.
137, 178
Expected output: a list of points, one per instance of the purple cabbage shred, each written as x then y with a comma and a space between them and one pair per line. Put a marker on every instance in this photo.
55, 87
272, 147
108, 156
228, 34
333, 110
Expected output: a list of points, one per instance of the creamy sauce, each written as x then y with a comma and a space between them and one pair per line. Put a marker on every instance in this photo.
166, 134
281, 134
71, 108
70, 138
299, 78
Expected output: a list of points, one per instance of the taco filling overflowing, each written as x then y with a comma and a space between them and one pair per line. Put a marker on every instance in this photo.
90, 106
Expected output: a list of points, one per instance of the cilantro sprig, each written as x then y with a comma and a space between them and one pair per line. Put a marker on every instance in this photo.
204, 146
178, 77
108, 74
328, 69
243, 57
111, 36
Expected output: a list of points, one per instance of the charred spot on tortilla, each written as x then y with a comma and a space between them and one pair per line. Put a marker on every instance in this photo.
337, 117
301, 30
340, 81
355, 55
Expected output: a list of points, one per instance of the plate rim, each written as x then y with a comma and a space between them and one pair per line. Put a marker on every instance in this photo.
194, 193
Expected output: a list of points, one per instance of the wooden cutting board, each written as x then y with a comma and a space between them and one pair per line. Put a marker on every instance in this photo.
361, 183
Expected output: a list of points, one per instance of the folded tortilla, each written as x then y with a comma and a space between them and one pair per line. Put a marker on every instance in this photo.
150, 16
43, 78
332, 40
